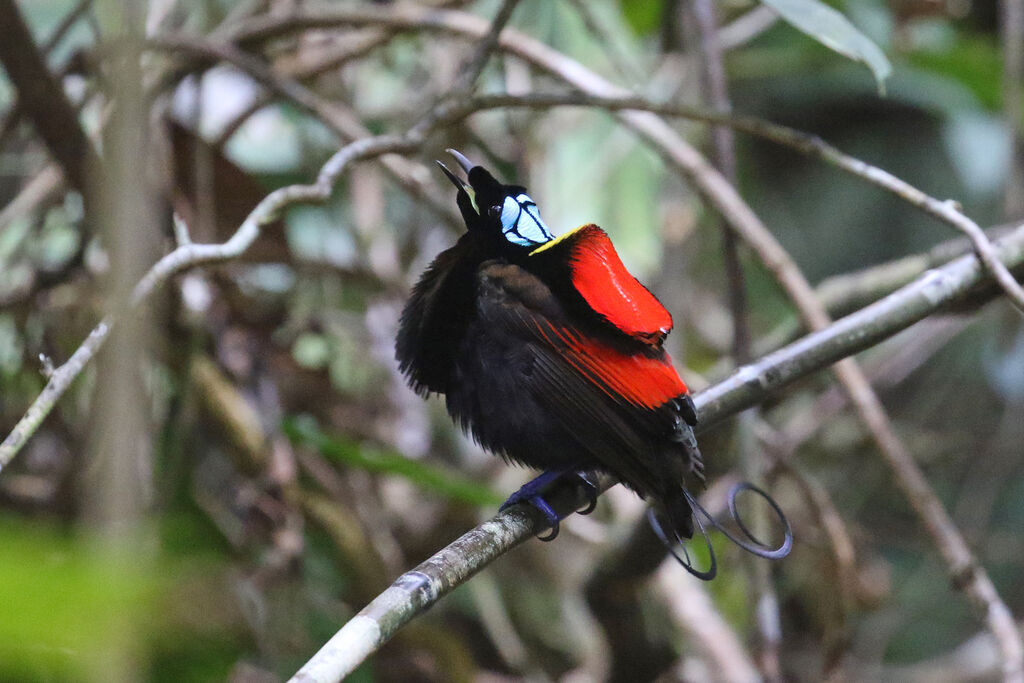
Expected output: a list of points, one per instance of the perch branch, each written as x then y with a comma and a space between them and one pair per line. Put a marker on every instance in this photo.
967, 574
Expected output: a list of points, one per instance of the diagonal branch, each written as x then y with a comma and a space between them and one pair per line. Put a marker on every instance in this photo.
478, 60
764, 602
336, 117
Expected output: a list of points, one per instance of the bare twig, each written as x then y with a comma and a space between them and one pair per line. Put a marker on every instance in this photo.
358, 45
41, 97
417, 590
598, 92
747, 27
844, 293
975, 659
478, 60
410, 175
42, 188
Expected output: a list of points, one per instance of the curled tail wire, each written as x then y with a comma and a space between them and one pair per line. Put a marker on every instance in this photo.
749, 542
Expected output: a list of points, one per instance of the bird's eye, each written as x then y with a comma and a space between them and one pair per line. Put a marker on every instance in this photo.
494, 211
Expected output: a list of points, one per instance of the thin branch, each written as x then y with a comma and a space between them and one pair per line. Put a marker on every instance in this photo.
844, 293
416, 590
620, 59
652, 129
331, 58
691, 606
41, 97
478, 60
682, 157
41, 189
13, 115
975, 659
64, 25
966, 572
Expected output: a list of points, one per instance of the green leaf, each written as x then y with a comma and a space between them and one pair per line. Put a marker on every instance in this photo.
440, 480
834, 31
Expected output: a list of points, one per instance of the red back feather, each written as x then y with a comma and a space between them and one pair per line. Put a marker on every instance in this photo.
599, 275
637, 379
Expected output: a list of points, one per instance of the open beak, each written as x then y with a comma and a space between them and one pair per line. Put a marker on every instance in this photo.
465, 163
458, 182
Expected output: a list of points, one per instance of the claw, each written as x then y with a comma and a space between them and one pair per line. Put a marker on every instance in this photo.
589, 482
532, 492
551, 517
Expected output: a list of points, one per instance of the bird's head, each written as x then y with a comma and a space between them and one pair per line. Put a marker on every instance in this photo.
497, 209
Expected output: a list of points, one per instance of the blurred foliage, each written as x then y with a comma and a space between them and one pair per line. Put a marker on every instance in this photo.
267, 541
833, 30
66, 603
441, 481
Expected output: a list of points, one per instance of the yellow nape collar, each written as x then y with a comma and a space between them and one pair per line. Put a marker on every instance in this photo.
551, 243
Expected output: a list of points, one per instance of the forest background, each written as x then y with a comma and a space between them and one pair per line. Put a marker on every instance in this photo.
211, 214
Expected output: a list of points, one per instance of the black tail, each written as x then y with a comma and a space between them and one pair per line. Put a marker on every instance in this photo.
679, 512
675, 501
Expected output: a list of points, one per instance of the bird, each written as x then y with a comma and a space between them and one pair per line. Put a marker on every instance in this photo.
550, 353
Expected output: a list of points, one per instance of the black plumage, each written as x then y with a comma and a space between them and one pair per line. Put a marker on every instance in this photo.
532, 369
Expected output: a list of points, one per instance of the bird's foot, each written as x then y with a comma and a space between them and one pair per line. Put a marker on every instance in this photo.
532, 492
